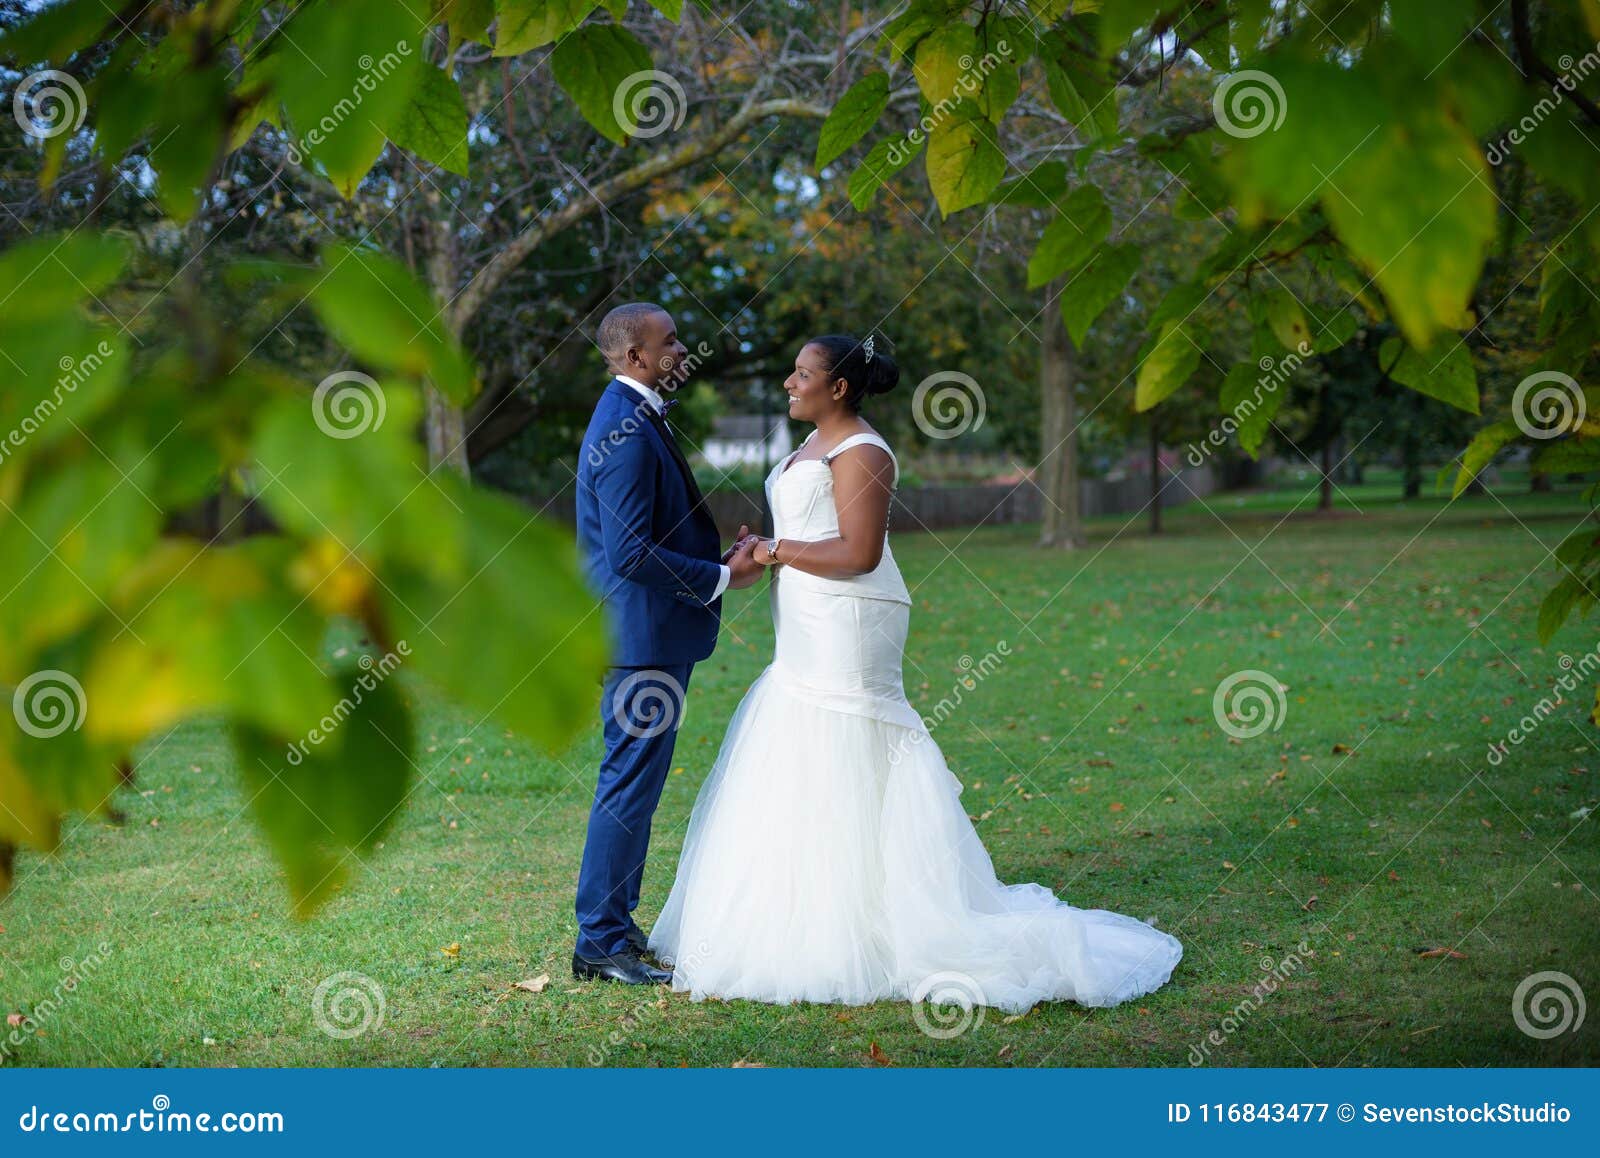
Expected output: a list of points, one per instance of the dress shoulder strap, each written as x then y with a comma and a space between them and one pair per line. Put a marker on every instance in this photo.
865, 439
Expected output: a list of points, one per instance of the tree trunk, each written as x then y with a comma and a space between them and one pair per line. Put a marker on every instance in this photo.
1540, 483
1155, 474
1325, 497
444, 422
1058, 420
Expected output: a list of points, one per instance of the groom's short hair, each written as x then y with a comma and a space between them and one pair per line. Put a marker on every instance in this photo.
624, 327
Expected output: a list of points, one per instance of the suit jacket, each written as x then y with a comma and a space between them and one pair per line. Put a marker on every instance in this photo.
648, 543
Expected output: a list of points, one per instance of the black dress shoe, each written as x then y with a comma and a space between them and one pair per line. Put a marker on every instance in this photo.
627, 967
638, 939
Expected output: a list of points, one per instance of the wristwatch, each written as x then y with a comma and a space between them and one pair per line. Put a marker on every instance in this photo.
772, 550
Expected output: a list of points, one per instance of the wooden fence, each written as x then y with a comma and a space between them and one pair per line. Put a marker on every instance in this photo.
931, 508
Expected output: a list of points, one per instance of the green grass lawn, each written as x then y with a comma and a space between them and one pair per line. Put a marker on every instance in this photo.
1368, 827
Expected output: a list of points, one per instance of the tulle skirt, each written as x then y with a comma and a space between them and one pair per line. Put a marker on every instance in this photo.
829, 858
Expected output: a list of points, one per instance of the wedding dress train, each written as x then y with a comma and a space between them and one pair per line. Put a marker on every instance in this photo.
828, 856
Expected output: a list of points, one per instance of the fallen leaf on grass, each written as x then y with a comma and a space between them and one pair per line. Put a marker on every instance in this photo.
1441, 951
453, 949
15, 1019
742, 1064
1117, 806
533, 984
875, 1052
1311, 903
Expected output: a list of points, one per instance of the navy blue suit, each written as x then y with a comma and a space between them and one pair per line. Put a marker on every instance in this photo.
651, 552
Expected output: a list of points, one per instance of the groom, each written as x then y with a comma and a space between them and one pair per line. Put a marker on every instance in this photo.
650, 549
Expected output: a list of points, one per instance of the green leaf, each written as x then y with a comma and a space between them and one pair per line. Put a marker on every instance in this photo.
1444, 372
1558, 604
470, 20
884, 160
595, 65
1096, 286
352, 69
1042, 187
1166, 366
320, 803
1569, 456
525, 24
965, 162
1121, 20
944, 63
671, 9
520, 637
344, 465
853, 116
208, 630
56, 33
434, 124
373, 305
65, 543
1250, 399
1287, 320
51, 272
1086, 99
1067, 242
187, 138
1416, 206
1481, 451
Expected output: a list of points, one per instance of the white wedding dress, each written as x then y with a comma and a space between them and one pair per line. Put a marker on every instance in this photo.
829, 858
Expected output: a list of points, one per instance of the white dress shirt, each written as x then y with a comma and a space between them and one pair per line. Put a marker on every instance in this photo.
652, 396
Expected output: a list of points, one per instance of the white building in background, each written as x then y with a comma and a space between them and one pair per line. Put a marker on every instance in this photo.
747, 440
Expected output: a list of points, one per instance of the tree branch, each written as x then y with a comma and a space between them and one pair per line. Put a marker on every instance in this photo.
551, 222
1532, 66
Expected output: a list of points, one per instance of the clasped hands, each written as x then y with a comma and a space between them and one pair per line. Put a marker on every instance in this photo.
743, 566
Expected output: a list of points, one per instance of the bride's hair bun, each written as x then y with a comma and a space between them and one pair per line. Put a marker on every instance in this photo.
864, 363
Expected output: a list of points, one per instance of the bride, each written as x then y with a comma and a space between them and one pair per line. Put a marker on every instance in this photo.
828, 857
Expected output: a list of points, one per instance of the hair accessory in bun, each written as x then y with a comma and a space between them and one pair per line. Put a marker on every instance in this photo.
867, 346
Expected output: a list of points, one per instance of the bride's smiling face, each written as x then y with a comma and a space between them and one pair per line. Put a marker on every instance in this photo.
811, 387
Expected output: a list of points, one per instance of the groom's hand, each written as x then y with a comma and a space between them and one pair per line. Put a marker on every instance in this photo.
738, 541
745, 539
743, 570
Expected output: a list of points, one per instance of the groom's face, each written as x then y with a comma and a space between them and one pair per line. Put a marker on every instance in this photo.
659, 358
